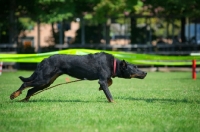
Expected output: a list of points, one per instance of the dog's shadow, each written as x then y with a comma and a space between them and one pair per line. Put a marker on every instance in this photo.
62, 101
153, 100
148, 100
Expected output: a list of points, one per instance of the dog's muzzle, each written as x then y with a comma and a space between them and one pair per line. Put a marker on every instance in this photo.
141, 75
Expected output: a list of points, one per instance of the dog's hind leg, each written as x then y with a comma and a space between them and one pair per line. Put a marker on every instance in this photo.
19, 91
109, 82
34, 83
27, 82
34, 90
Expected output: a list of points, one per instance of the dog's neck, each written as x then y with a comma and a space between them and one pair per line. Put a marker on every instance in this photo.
114, 68
118, 72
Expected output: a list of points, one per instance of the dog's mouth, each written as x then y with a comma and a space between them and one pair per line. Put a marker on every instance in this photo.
140, 76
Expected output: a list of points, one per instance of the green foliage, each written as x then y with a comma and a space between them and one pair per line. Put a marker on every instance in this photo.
27, 23
161, 102
177, 8
93, 34
113, 8
97, 11
51, 11
100, 10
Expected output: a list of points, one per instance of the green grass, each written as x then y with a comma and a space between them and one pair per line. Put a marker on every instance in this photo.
161, 102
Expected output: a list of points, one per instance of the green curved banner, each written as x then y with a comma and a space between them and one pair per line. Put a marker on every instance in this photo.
141, 59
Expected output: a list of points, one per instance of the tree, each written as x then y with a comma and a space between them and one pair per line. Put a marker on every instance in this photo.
98, 11
106, 9
47, 11
181, 8
174, 9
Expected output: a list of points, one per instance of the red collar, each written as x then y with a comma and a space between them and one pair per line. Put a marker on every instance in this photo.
114, 67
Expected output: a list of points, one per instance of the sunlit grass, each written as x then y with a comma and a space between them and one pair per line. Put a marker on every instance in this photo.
161, 102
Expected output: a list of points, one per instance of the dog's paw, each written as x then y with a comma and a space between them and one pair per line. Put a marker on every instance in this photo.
112, 101
15, 94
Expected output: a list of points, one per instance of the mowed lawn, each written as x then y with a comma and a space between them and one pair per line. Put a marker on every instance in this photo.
163, 101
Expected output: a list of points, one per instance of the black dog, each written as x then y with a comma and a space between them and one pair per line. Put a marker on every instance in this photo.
101, 66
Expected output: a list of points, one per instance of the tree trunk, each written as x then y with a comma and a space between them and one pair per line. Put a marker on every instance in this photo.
107, 33
133, 28
61, 33
38, 37
53, 31
55, 35
183, 21
82, 31
12, 32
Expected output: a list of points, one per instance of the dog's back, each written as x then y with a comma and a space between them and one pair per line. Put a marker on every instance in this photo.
82, 66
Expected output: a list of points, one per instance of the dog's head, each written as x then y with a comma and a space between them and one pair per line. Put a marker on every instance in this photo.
131, 71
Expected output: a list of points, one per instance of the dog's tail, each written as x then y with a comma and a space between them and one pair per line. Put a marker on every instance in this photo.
35, 73
23, 79
28, 79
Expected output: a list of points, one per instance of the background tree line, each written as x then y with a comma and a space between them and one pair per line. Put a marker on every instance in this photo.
97, 11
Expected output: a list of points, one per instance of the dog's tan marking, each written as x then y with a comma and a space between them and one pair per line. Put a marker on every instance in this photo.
132, 76
15, 94
109, 81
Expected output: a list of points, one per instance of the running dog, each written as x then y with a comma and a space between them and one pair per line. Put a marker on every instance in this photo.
99, 66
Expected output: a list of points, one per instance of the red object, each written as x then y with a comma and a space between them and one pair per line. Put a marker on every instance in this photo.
194, 74
67, 79
114, 68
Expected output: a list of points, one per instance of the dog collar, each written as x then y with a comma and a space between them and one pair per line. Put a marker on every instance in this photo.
114, 67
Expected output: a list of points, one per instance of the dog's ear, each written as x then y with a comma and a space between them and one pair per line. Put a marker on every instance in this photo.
123, 64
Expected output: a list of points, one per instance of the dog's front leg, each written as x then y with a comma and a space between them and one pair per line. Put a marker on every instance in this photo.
109, 82
104, 86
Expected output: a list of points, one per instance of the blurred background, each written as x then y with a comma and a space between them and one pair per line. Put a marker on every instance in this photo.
170, 27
